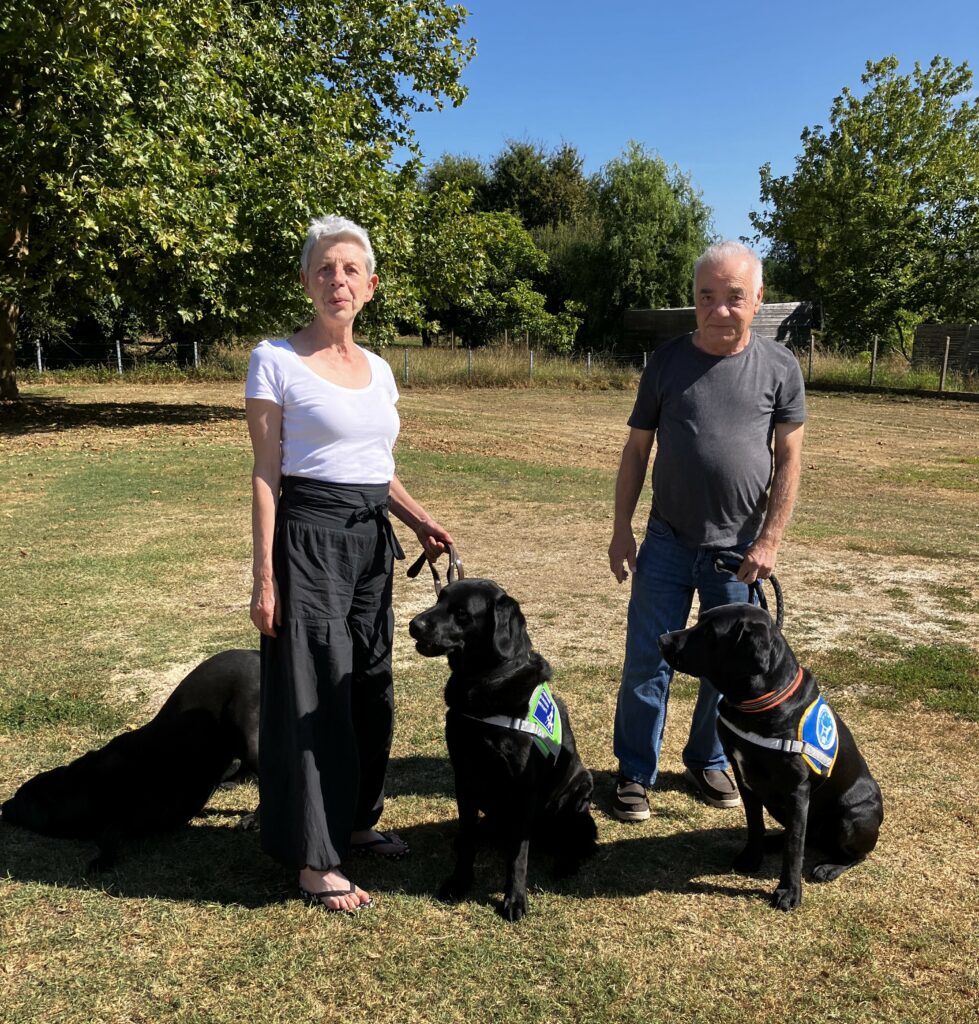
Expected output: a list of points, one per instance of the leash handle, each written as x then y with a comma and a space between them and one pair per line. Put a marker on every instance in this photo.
730, 561
455, 571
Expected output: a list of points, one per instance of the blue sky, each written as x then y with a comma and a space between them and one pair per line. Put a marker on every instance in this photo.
716, 88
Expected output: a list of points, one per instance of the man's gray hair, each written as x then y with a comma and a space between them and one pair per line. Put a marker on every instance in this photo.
337, 229
727, 250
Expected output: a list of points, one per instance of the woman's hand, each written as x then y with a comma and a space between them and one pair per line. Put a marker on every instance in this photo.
434, 538
266, 613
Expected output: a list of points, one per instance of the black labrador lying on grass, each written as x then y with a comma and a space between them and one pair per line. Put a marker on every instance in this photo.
155, 777
509, 739
792, 755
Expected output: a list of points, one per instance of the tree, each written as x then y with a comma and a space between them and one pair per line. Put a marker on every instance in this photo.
882, 211
654, 225
167, 156
540, 188
483, 268
465, 173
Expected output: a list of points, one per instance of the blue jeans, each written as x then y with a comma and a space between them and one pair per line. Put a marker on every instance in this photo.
663, 585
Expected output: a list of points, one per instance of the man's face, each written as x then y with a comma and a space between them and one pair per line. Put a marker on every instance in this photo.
726, 304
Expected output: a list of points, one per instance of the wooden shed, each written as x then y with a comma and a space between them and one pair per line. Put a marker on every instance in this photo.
787, 322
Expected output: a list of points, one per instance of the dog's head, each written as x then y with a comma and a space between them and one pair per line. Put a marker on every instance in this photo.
732, 646
475, 622
51, 804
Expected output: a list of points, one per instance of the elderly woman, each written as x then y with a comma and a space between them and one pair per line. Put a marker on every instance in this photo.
322, 419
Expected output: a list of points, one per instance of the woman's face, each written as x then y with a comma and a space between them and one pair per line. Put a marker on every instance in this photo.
338, 284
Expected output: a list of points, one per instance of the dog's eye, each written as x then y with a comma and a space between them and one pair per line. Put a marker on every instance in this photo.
462, 615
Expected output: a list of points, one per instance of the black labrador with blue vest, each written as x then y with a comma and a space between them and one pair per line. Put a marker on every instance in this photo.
792, 755
509, 739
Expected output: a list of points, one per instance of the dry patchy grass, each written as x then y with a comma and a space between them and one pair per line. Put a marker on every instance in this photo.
121, 591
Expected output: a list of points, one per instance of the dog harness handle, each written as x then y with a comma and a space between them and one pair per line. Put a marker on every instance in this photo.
455, 572
730, 561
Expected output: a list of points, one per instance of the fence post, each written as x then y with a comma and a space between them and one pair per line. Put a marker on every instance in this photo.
531, 362
406, 367
469, 367
119, 355
941, 383
588, 362
873, 362
812, 346
40, 364
644, 359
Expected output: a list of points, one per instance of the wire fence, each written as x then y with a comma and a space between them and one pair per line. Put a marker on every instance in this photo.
486, 366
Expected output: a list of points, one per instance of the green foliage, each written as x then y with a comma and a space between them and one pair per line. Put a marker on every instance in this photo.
539, 187
479, 273
654, 225
881, 215
167, 156
465, 173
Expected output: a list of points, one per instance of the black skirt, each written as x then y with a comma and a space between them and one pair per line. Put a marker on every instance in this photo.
327, 708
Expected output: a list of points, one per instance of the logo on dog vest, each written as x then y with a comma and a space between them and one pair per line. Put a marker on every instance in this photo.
818, 731
544, 714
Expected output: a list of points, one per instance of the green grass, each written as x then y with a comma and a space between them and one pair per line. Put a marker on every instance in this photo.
894, 676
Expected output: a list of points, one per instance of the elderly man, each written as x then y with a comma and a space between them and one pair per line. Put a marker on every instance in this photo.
714, 400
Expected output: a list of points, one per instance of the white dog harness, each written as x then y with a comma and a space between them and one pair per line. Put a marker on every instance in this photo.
543, 721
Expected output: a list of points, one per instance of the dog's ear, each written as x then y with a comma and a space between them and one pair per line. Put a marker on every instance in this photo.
753, 644
510, 639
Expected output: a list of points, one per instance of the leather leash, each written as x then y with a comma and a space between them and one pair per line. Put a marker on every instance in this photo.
455, 572
730, 561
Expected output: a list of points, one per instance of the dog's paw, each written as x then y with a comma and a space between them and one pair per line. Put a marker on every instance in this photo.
787, 898
453, 888
748, 861
827, 872
514, 906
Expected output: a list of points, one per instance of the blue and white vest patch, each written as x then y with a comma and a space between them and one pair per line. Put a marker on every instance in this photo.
545, 715
819, 732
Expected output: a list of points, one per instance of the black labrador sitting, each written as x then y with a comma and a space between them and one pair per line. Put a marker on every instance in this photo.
509, 739
791, 754
155, 777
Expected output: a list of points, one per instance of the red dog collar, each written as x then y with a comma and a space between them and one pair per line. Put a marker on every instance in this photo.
770, 700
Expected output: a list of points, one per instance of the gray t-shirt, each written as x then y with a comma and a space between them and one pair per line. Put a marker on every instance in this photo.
714, 418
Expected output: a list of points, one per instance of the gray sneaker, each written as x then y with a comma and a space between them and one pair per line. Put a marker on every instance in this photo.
631, 802
715, 787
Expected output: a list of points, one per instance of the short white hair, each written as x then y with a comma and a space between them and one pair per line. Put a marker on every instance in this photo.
721, 251
337, 229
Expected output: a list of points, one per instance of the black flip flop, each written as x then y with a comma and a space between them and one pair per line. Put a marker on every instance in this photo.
316, 899
386, 839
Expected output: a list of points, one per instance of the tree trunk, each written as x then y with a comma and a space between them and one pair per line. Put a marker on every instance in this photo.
9, 313
904, 346
14, 242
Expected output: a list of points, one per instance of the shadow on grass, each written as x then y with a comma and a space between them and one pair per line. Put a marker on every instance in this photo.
212, 861
41, 413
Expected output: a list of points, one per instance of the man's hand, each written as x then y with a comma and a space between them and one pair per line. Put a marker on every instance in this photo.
759, 561
622, 554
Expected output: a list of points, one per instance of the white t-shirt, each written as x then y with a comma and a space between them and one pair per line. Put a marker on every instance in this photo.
329, 432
